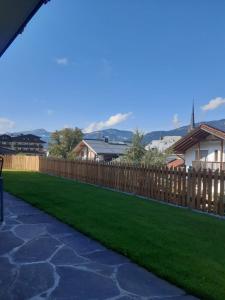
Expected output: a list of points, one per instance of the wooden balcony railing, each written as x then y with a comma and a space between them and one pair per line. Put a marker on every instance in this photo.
197, 164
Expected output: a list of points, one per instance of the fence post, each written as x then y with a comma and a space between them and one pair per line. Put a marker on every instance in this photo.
189, 186
1, 200
220, 208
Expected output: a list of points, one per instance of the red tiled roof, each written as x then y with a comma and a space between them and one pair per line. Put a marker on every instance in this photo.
176, 163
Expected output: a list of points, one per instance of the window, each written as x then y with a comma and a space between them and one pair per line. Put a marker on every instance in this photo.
216, 155
203, 154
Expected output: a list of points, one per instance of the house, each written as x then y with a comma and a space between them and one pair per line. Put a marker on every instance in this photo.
163, 144
24, 143
6, 141
100, 149
5, 151
203, 147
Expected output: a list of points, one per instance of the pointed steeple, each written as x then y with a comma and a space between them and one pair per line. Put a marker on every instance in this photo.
192, 124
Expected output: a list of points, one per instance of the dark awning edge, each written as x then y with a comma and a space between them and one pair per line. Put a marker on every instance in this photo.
23, 25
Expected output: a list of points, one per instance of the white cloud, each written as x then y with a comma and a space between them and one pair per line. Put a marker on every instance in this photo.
111, 121
176, 121
6, 124
213, 104
63, 61
50, 112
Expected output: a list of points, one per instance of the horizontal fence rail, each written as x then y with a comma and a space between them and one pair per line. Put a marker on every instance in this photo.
202, 189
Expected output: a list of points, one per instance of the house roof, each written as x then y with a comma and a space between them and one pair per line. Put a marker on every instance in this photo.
14, 16
28, 138
173, 157
21, 138
176, 163
195, 136
102, 147
6, 151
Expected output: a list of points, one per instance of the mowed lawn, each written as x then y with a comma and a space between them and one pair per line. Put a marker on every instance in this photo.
184, 247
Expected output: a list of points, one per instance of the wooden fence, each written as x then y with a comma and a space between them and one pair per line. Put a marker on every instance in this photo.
202, 190
21, 162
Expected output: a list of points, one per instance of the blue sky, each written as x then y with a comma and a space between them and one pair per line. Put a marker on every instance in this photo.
118, 63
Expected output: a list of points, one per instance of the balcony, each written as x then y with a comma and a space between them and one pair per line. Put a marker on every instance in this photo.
28, 145
8, 145
213, 165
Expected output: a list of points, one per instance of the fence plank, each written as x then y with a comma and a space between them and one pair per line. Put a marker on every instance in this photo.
204, 190
193, 189
184, 189
189, 187
199, 189
215, 192
209, 186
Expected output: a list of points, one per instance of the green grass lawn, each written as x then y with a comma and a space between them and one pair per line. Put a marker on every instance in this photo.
184, 247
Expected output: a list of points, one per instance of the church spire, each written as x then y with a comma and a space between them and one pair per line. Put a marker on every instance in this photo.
192, 124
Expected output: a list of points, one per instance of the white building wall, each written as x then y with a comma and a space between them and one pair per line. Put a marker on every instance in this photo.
163, 144
189, 157
208, 145
86, 153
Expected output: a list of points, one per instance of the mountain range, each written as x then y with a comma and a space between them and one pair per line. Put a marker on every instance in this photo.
117, 135
124, 135
42, 133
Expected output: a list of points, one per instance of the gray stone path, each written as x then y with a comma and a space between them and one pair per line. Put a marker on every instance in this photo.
42, 258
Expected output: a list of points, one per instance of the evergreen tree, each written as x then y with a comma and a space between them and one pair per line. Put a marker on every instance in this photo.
137, 150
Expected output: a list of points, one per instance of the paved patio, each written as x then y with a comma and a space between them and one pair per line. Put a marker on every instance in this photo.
42, 258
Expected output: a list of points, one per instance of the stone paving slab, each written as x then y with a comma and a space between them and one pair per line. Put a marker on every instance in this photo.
42, 258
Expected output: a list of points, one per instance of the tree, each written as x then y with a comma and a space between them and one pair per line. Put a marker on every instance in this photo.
136, 152
153, 157
64, 141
